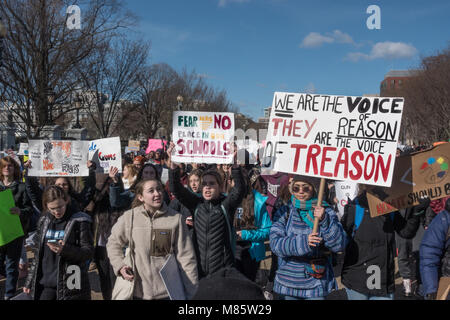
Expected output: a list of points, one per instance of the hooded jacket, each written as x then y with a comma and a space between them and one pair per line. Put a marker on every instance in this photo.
213, 236
77, 250
154, 237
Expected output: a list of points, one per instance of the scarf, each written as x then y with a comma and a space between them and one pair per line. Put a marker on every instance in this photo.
306, 210
438, 205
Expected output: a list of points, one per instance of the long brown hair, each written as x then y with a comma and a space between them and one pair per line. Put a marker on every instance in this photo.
51, 194
139, 176
139, 191
8, 160
247, 220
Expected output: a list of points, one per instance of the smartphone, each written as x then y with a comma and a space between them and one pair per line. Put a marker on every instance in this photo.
52, 241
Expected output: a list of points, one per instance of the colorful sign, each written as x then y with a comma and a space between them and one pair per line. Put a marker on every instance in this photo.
203, 137
106, 153
134, 145
334, 137
10, 225
417, 175
155, 144
55, 158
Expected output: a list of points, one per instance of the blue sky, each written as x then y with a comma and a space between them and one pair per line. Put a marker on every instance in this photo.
252, 48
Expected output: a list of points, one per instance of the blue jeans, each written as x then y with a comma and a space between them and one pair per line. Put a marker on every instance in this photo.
355, 295
12, 252
299, 298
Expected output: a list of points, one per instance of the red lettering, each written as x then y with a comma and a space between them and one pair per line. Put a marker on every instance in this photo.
181, 144
312, 157
217, 121
198, 146
366, 175
297, 147
213, 148
276, 122
296, 122
289, 127
324, 160
226, 123
356, 165
384, 168
189, 146
342, 159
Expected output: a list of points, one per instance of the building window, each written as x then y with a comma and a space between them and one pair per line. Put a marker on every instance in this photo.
392, 84
400, 82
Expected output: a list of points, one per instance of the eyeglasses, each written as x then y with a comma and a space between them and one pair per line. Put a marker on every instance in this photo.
305, 188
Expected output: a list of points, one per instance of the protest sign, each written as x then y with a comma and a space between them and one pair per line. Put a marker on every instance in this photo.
23, 149
417, 175
54, 158
10, 226
345, 191
106, 153
134, 145
334, 137
155, 144
203, 137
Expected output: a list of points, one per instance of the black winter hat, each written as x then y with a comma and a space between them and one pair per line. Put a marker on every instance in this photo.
228, 284
315, 182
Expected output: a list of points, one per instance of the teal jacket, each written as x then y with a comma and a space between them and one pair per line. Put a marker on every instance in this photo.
263, 224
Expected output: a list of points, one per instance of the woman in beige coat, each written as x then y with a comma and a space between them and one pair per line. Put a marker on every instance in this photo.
157, 232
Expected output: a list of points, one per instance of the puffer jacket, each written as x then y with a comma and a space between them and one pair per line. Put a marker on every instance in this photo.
155, 238
22, 201
435, 252
213, 236
78, 249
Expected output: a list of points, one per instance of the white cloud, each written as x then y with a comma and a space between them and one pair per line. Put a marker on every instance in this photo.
315, 39
385, 50
310, 88
223, 3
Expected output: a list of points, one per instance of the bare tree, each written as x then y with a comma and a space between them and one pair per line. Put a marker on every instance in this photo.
109, 79
42, 53
427, 100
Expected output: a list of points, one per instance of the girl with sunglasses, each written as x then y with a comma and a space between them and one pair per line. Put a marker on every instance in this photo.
304, 258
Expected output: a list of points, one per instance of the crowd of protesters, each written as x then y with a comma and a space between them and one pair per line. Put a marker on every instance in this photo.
219, 222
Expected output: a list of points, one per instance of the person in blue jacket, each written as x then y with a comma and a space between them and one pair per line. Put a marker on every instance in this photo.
305, 270
435, 253
252, 224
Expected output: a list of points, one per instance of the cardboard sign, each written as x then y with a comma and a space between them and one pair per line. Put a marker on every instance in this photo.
203, 137
155, 144
106, 153
55, 158
10, 226
345, 191
23, 149
443, 289
134, 145
335, 137
420, 174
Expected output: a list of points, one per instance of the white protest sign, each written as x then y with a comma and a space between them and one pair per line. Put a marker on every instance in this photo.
345, 191
23, 149
106, 153
55, 158
203, 137
335, 137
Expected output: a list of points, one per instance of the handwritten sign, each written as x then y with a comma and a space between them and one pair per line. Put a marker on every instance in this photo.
417, 175
10, 226
335, 137
133, 145
106, 153
55, 158
203, 137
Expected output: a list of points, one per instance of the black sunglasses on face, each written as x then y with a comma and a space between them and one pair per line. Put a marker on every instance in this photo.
304, 188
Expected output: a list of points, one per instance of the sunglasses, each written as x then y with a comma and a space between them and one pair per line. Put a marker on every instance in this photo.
304, 188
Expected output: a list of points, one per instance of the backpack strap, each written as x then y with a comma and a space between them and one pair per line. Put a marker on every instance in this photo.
359, 215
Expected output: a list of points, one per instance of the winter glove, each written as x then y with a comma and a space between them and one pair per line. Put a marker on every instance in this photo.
422, 206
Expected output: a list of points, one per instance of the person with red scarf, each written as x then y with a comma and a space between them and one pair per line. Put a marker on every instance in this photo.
435, 207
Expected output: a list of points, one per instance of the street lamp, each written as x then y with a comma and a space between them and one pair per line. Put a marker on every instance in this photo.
77, 106
50, 101
2, 37
180, 102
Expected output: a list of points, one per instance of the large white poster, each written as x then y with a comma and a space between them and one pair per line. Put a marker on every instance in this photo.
106, 153
345, 191
55, 158
335, 137
203, 137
